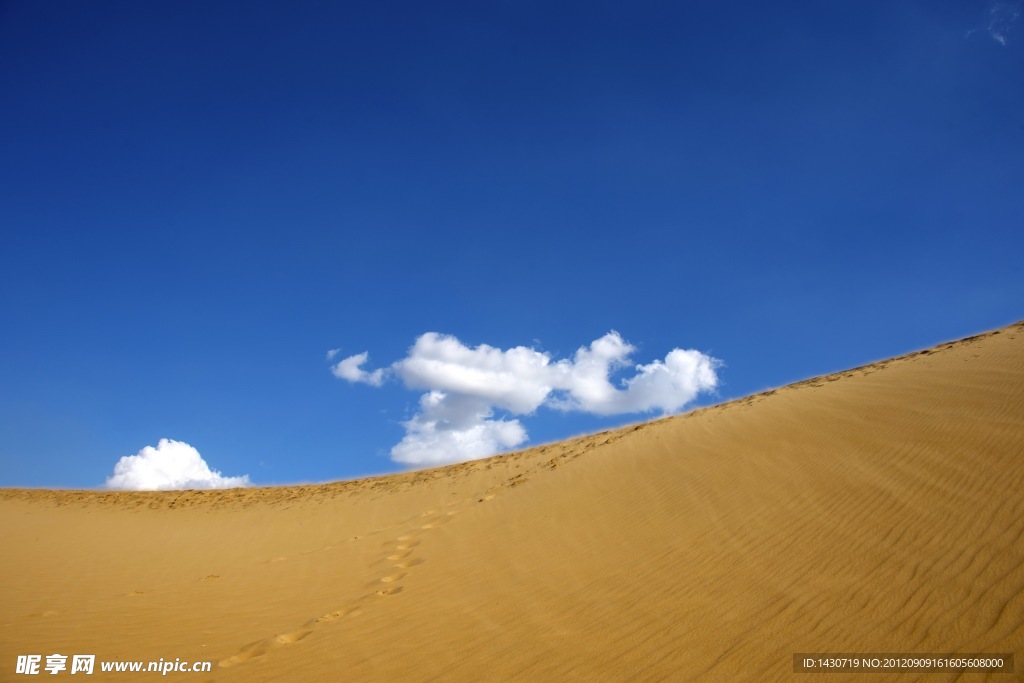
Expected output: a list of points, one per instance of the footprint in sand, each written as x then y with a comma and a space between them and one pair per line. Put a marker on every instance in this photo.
261, 647
250, 651
289, 638
415, 562
390, 578
338, 614
400, 550
399, 555
409, 540
438, 521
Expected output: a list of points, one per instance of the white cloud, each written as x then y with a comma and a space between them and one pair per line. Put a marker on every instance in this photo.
449, 424
517, 380
466, 385
350, 369
331, 353
172, 465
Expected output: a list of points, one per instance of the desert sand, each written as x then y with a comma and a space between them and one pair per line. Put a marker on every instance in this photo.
879, 509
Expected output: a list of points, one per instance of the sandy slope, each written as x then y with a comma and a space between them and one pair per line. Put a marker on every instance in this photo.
879, 509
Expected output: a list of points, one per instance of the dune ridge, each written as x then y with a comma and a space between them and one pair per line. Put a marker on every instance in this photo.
876, 509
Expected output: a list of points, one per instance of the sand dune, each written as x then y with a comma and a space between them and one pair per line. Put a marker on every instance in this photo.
875, 510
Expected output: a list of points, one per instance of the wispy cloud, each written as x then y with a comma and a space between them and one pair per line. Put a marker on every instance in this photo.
466, 387
999, 21
172, 465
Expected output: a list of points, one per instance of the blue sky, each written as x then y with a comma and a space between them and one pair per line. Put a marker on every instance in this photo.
199, 200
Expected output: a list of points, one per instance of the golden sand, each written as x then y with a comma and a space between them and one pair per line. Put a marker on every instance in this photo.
875, 510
